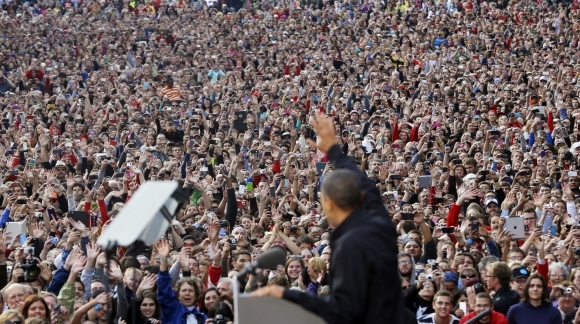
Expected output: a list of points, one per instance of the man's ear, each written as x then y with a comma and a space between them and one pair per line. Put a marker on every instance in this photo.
327, 204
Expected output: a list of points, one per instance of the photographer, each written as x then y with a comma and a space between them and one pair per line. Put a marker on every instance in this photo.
419, 297
566, 295
221, 312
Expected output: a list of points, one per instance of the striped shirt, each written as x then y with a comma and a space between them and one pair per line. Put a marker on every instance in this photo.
430, 319
171, 93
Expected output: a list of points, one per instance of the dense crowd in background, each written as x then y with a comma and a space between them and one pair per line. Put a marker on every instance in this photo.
464, 113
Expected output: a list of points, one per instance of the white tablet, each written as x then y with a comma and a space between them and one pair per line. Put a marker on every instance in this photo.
15, 229
515, 225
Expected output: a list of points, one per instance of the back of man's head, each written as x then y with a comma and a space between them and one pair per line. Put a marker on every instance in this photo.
343, 187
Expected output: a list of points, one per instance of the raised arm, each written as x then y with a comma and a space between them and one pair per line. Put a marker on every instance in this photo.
324, 127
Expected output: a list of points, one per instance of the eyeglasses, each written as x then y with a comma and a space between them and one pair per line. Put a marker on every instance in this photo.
557, 275
404, 262
471, 275
518, 258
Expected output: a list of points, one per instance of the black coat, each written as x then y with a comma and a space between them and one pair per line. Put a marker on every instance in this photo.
366, 287
505, 298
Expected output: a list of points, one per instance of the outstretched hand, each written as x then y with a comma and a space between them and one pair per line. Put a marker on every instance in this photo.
324, 128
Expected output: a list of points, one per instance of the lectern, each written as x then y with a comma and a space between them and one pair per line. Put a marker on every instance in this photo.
268, 310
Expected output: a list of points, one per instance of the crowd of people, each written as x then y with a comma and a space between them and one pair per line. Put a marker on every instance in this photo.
463, 113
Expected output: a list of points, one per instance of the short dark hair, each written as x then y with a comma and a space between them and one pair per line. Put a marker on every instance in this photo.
130, 261
189, 237
304, 239
78, 184
151, 268
243, 252
485, 296
530, 210
78, 279
343, 187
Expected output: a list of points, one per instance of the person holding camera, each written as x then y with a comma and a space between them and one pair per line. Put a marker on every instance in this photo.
419, 297
565, 295
480, 303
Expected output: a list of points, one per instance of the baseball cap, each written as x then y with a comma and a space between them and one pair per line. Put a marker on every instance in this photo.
521, 272
489, 201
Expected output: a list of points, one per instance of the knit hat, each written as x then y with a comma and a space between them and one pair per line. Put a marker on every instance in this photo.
451, 276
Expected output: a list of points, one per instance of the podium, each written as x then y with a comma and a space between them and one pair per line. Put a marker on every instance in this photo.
268, 310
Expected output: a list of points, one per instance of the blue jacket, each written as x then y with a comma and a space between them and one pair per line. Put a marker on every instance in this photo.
60, 277
441, 41
527, 313
5, 217
173, 311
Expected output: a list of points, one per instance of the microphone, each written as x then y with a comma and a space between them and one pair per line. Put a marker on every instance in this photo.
268, 260
479, 316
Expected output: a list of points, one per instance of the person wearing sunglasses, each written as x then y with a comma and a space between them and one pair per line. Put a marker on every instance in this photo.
11, 316
469, 277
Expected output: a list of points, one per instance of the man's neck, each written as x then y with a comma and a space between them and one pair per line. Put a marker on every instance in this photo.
442, 320
485, 320
340, 216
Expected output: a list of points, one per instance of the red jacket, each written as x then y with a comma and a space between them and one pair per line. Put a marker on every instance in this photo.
543, 269
496, 318
214, 275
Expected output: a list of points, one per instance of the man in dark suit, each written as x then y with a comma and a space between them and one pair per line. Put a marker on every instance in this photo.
366, 287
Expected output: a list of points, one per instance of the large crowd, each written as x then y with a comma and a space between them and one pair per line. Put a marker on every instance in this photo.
464, 114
